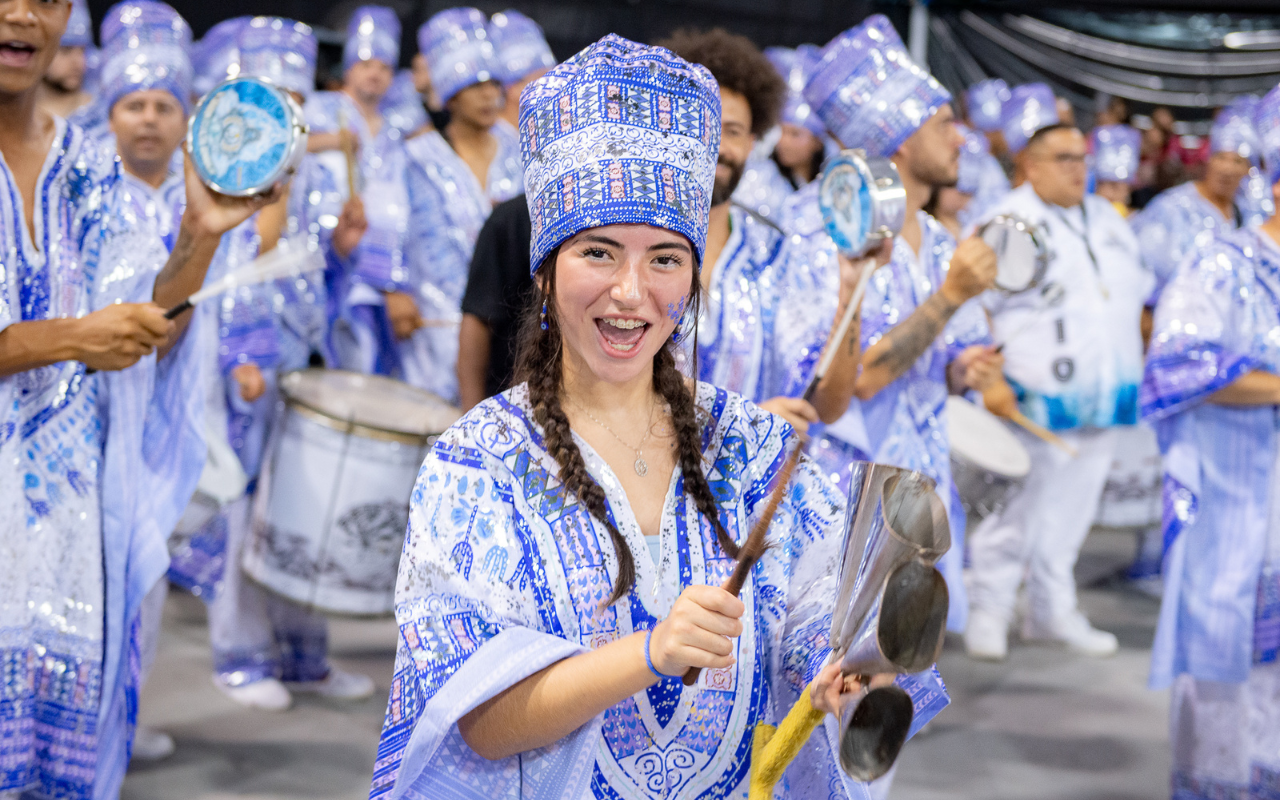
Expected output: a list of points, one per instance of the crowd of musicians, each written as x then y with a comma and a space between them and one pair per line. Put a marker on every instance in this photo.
618, 267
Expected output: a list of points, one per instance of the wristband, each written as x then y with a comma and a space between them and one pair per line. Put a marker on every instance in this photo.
649, 661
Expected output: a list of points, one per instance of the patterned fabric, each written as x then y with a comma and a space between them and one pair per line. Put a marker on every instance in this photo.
972, 160
986, 101
213, 56
1254, 199
280, 50
1217, 319
795, 67
763, 188
986, 177
1267, 124
402, 106
159, 208
503, 573
1029, 108
373, 32
79, 32
1115, 153
1079, 365
520, 46
620, 133
1226, 738
145, 46
868, 92
96, 468
1233, 129
459, 51
447, 208
1172, 226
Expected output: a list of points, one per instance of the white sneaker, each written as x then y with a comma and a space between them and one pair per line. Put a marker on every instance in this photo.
1075, 632
150, 744
339, 685
987, 636
267, 694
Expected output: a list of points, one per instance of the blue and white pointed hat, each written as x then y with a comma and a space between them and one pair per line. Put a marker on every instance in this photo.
620, 133
795, 67
281, 50
1233, 129
1117, 150
79, 32
1029, 108
145, 46
458, 51
985, 101
373, 33
520, 45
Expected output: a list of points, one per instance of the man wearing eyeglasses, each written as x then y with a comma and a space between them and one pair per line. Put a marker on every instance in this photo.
1075, 366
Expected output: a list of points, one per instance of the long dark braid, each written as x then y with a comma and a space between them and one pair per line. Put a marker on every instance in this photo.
540, 365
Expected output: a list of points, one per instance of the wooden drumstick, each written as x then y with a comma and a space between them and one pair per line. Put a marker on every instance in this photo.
754, 546
1043, 434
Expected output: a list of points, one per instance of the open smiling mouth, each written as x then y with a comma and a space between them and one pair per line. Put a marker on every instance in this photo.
621, 334
16, 54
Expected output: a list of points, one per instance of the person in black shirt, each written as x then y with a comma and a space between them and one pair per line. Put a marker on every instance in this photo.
498, 289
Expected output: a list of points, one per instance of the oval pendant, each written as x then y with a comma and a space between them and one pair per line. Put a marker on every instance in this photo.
642, 468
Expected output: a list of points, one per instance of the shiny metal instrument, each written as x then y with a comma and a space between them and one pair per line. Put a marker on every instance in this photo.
862, 201
1021, 252
246, 135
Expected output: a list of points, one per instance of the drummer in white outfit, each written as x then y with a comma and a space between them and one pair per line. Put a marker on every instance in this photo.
1074, 369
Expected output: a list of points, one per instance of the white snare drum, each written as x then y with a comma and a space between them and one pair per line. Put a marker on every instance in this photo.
1021, 253
245, 136
1132, 497
332, 503
862, 201
987, 460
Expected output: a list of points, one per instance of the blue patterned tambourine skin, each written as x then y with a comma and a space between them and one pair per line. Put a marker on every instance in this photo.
845, 201
241, 137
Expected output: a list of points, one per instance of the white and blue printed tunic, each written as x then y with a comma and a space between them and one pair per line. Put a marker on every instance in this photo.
1172, 225
503, 574
1218, 319
95, 469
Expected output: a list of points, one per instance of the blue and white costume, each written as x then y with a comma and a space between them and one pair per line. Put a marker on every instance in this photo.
1218, 638
1028, 108
520, 46
97, 468
863, 71
447, 204
985, 101
980, 176
489, 592
1075, 369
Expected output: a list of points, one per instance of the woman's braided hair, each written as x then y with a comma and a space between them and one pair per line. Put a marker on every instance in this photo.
540, 365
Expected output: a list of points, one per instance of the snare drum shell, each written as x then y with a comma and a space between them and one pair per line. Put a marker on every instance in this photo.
296, 145
330, 515
1133, 495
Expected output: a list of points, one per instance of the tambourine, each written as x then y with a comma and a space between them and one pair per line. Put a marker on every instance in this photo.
245, 135
1021, 253
862, 201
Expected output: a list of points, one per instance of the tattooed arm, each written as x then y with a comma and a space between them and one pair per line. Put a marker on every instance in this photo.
972, 271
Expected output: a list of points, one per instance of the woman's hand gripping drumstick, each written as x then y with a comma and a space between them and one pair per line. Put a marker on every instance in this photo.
751, 552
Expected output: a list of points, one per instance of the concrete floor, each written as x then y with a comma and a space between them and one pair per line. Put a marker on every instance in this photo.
1042, 726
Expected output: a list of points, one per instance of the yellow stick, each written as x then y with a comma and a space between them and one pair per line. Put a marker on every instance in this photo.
1043, 434
773, 750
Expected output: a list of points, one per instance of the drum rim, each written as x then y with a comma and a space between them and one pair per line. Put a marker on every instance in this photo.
285, 166
312, 411
1042, 249
954, 401
856, 162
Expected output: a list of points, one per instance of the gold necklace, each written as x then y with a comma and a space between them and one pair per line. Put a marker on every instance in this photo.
641, 466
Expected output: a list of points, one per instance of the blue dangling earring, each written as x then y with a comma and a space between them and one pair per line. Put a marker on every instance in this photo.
543, 323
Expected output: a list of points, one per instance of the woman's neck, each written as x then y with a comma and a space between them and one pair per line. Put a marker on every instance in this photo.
587, 390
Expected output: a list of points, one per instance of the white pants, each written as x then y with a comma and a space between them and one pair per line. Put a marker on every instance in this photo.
1041, 529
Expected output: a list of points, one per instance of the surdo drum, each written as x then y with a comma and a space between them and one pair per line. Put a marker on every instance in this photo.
862, 201
987, 460
332, 503
245, 136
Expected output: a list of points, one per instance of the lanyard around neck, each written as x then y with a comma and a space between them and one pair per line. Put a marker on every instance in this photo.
1084, 237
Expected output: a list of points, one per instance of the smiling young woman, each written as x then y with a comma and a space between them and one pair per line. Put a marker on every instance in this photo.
568, 538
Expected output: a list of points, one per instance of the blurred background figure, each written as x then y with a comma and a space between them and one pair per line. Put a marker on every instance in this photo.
1116, 150
523, 57
64, 89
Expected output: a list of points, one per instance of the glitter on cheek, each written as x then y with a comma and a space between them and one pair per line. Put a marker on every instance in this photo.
676, 310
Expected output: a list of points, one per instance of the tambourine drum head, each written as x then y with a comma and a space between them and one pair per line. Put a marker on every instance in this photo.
1018, 255
242, 136
846, 207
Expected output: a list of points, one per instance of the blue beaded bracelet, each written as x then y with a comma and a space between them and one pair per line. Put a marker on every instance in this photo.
647, 637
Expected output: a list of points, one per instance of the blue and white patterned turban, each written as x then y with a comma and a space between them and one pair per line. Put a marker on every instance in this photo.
985, 100
1116, 151
1233, 129
1029, 108
795, 67
972, 154
458, 51
1267, 124
869, 93
79, 32
621, 133
145, 46
216, 57
520, 46
372, 33
281, 50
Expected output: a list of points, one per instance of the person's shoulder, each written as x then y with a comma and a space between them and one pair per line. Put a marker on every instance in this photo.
801, 213
733, 425
429, 146
484, 436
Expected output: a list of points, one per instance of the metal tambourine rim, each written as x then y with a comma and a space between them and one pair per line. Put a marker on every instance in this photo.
299, 141
1042, 251
857, 163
